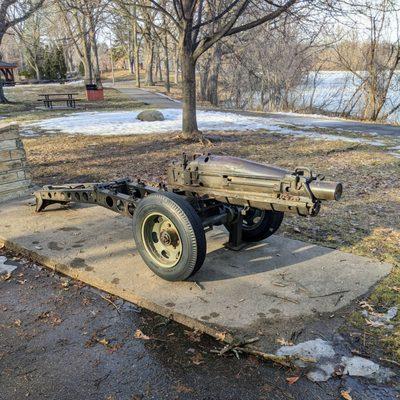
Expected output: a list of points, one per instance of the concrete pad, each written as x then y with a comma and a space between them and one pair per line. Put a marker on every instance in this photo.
233, 292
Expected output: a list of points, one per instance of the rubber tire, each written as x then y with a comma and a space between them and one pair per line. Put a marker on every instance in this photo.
189, 226
269, 225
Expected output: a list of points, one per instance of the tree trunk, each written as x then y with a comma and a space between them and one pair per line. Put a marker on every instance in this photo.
176, 66
136, 48
158, 66
3, 99
204, 75
212, 92
160, 74
37, 71
149, 51
87, 55
130, 53
166, 63
189, 121
93, 43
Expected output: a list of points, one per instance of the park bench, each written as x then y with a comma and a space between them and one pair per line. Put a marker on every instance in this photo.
68, 98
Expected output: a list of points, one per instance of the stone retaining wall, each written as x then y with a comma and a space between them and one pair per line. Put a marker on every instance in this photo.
14, 178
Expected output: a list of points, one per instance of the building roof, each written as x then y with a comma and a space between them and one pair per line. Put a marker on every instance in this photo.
4, 64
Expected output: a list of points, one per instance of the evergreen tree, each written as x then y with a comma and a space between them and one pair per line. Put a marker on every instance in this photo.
54, 65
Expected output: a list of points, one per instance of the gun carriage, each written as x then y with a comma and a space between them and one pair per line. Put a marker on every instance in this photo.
203, 191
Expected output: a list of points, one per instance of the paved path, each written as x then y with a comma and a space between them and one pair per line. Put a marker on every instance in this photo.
336, 123
162, 101
151, 98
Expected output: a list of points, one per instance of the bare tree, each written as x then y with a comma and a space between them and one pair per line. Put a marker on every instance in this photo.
12, 12
373, 62
198, 32
82, 19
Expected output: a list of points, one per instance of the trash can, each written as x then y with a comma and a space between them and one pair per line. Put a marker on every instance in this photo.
94, 93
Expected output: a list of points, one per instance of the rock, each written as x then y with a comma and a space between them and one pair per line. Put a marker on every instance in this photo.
6, 268
322, 373
377, 320
150, 115
391, 313
317, 349
359, 366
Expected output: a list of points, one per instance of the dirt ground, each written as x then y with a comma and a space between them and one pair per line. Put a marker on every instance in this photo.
62, 340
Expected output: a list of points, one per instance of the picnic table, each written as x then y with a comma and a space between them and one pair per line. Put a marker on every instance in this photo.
50, 98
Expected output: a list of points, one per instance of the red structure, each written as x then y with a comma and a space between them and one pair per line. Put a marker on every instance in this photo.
94, 93
7, 70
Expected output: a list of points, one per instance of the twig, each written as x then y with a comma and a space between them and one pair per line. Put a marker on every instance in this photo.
339, 298
111, 302
281, 298
237, 343
389, 361
329, 294
279, 284
286, 361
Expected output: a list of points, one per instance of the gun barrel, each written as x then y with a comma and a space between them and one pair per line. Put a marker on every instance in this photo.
241, 182
326, 190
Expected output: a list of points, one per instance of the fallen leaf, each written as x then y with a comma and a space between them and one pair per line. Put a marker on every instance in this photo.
346, 395
183, 389
366, 305
6, 277
17, 322
284, 342
221, 336
103, 341
140, 335
374, 324
56, 320
193, 336
44, 315
22, 282
197, 359
292, 379
65, 284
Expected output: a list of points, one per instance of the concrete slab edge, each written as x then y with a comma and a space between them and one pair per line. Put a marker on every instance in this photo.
85, 277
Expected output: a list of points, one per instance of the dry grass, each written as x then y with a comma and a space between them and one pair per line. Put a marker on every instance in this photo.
366, 221
24, 98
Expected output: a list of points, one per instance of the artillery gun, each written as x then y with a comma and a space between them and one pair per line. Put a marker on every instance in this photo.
202, 191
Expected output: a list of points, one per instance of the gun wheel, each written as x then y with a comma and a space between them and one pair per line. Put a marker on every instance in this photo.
260, 224
169, 236
162, 240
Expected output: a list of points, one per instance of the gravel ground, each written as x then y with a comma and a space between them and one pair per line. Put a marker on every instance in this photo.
63, 340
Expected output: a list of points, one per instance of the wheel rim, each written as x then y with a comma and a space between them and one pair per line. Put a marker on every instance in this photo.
162, 240
253, 219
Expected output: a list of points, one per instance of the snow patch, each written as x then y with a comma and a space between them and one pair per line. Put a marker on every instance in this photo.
358, 366
322, 373
125, 123
316, 349
6, 268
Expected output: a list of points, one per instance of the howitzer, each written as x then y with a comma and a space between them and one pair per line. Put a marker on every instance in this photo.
170, 221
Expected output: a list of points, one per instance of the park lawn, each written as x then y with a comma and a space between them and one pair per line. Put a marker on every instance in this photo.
366, 221
24, 104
